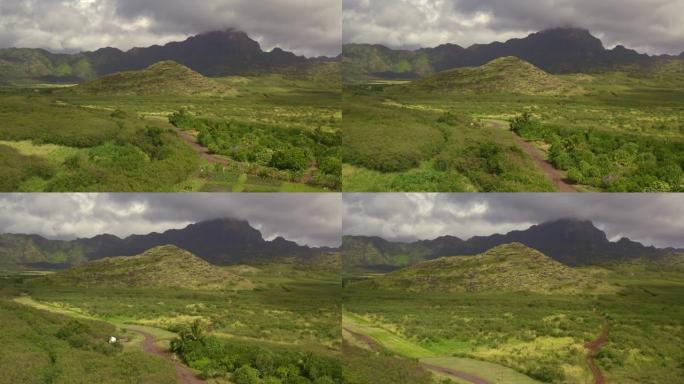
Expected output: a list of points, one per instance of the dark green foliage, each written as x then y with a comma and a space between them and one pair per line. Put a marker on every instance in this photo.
250, 363
286, 149
615, 162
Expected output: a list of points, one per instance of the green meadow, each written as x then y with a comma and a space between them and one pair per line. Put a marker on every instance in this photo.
269, 133
612, 131
283, 329
525, 337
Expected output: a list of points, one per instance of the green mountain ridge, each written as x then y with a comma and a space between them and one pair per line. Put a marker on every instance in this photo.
162, 78
509, 75
162, 266
511, 267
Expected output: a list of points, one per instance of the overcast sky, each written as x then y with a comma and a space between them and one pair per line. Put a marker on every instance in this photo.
653, 219
313, 219
307, 27
652, 26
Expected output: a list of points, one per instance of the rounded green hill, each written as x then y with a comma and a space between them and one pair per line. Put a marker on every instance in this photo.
507, 268
505, 75
162, 78
163, 266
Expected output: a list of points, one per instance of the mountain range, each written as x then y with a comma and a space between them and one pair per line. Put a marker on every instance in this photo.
569, 241
219, 241
558, 50
217, 53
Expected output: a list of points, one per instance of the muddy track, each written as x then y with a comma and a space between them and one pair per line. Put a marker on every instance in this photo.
552, 173
376, 346
593, 347
183, 373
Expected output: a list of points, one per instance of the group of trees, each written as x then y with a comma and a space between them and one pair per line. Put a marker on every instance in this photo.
248, 363
286, 149
612, 161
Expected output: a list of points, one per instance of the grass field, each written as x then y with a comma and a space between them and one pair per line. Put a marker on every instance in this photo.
284, 330
56, 139
621, 131
534, 337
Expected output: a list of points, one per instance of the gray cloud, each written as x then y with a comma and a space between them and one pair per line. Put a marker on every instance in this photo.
653, 26
313, 219
654, 219
306, 27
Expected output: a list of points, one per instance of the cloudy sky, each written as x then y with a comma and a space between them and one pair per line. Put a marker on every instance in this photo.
310, 28
313, 219
655, 219
652, 26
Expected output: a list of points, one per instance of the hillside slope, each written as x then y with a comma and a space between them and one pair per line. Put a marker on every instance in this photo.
506, 268
509, 75
163, 266
163, 78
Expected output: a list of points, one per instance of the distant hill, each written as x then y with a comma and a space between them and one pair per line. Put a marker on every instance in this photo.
558, 50
506, 268
220, 242
216, 53
503, 75
163, 266
163, 78
571, 242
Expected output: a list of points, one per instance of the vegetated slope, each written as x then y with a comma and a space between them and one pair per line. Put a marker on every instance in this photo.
506, 268
163, 266
503, 75
163, 78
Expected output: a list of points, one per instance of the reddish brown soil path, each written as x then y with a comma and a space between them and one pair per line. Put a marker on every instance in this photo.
183, 373
374, 345
593, 348
551, 172
202, 151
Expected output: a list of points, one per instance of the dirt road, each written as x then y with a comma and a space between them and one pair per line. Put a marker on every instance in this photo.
552, 173
593, 348
376, 346
183, 373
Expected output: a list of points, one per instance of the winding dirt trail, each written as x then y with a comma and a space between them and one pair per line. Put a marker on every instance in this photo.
552, 173
199, 149
593, 348
183, 373
376, 346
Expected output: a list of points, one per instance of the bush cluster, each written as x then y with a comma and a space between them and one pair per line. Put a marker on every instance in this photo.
615, 162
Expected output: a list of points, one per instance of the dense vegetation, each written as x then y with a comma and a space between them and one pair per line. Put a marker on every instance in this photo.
122, 140
540, 335
614, 131
291, 151
253, 363
615, 162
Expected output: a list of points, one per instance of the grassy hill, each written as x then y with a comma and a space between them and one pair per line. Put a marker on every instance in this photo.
163, 266
506, 75
506, 268
163, 78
